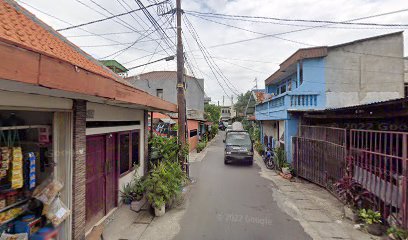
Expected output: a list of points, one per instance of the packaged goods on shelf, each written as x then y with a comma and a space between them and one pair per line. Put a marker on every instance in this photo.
16, 175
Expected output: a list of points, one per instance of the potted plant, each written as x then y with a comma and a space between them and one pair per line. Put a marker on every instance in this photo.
139, 197
396, 233
286, 168
157, 191
280, 157
127, 194
372, 219
159, 206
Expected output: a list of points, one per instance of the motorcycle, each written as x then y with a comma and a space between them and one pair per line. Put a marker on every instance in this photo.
268, 159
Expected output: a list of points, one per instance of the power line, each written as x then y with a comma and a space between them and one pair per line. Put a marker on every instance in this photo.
118, 44
107, 18
216, 67
216, 78
66, 22
207, 56
303, 29
291, 24
306, 20
154, 22
141, 20
292, 40
119, 21
247, 30
234, 64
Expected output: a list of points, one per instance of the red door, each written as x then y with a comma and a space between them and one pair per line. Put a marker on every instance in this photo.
95, 179
111, 173
101, 177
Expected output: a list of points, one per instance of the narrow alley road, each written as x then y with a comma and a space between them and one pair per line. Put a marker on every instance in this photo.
233, 202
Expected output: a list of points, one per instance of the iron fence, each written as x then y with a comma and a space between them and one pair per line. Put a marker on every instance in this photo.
379, 163
319, 154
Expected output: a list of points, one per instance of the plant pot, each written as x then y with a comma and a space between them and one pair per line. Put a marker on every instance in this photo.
158, 212
285, 171
137, 205
375, 229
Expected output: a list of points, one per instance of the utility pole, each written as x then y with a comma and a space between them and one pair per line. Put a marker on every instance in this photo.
181, 99
223, 100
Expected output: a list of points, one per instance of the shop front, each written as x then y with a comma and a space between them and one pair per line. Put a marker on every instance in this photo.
35, 166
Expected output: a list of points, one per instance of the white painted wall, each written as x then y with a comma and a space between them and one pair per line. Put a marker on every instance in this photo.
26, 100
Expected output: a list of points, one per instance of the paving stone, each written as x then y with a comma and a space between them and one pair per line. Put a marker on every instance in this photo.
144, 217
315, 216
330, 230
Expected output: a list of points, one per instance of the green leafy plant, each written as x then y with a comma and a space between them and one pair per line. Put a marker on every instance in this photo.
213, 130
397, 233
259, 147
127, 193
369, 216
164, 183
133, 190
280, 157
201, 146
164, 148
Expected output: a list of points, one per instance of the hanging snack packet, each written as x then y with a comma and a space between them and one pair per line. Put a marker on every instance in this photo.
57, 212
47, 191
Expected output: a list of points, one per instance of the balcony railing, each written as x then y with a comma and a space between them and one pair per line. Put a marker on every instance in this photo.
303, 100
283, 102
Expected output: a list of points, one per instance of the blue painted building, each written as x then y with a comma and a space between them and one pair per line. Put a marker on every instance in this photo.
326, 77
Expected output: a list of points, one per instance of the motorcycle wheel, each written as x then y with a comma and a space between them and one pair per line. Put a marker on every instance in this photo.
270, 164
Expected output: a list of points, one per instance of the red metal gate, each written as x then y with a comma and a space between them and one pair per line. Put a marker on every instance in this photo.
379, 163
319, 154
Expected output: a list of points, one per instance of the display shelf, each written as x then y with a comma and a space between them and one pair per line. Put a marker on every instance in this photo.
14, 205
22, 127
11, 219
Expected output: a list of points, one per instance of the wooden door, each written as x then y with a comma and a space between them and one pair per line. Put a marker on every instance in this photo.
95, 179
111, 189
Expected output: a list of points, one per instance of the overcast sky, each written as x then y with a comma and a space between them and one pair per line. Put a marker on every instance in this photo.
240, 63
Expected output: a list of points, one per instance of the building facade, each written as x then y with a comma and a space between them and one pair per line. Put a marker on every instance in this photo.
163, 85
358, 72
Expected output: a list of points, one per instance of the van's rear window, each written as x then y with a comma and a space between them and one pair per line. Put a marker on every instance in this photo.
239, 139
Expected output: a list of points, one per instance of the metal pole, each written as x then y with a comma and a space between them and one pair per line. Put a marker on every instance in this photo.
181, 100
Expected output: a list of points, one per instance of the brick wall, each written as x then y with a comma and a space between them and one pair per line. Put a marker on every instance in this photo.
146, 141
79, 170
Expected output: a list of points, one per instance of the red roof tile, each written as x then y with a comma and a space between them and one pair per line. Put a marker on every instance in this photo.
18, 26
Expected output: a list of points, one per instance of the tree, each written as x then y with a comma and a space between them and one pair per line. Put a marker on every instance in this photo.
212, 113
242, 103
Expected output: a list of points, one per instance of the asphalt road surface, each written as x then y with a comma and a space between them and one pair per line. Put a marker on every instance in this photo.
233, 202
